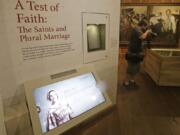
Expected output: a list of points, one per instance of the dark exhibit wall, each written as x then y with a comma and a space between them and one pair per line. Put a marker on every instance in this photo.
156, 13
162, 20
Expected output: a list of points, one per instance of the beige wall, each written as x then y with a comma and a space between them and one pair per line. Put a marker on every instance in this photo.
14, 71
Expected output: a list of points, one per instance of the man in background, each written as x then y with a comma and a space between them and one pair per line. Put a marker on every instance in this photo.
135, 55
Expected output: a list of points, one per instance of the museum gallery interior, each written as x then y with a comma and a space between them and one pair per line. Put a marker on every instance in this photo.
90, 67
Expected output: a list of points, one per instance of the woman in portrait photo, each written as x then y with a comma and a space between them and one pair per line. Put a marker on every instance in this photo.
58, 113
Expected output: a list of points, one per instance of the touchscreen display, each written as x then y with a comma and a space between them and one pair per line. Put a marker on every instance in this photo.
62, 101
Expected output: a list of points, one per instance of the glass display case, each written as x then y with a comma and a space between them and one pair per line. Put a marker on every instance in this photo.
96, 37
163, 66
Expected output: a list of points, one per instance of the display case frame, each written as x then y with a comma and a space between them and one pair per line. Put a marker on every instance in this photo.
162, 65
101, 53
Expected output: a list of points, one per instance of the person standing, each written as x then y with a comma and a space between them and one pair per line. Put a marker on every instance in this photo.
169, 26
135, 54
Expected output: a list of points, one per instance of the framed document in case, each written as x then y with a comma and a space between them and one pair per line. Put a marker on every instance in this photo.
95, 36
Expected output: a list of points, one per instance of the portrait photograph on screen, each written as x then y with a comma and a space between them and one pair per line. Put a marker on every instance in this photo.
60, 102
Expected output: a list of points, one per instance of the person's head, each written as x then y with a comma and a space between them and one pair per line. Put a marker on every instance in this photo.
52, 96
160, 14
143, 24
38, 109
168, 12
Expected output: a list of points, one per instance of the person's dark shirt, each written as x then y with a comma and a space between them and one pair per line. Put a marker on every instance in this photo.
135, 44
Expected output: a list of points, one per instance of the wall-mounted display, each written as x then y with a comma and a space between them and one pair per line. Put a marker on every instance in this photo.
95, 36
163, 20
57, 105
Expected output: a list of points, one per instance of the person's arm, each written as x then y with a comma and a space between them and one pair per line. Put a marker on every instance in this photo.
145, 34
173, 24
51, 123
69, 109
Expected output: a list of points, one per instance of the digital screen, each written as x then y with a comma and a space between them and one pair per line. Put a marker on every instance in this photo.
62, 101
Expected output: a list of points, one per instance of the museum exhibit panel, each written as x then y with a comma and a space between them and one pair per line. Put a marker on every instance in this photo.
59, 104
63, 64
57, 42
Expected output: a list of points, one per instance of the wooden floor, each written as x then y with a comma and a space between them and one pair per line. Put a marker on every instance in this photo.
147, 110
